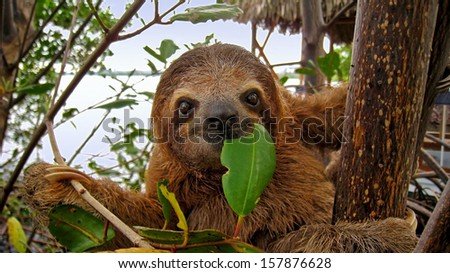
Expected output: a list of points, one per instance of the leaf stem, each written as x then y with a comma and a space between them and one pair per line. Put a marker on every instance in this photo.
239, 223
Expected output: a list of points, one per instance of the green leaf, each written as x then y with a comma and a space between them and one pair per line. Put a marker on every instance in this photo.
70, 112
166, 206
171, 237
36, 89
284, 79
200, 241
150, 95
77, 229
211, 12
329, 64
120, 103
167, 49
152, 66
17, 235
251, 162
182, 223
305, 71
154, 54
109, 173
170, 196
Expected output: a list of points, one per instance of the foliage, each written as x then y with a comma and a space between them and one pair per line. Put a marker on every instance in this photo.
17, 235
77, 229
205, 13
200, 241
166, 50
335, 65
345, 56
329, 64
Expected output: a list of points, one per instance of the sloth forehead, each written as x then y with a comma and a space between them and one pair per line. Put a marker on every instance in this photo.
222, 90
223, 86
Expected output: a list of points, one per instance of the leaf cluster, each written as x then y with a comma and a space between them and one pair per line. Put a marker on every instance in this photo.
335, 65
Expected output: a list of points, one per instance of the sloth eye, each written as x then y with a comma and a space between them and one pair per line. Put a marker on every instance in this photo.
184, 107
252, 99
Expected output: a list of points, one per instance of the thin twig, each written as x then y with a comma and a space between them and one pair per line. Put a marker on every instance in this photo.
418, 208
144, 150
156, 16
435, 237
91, 134
106, 41
267, 39
156, 20
425, 175
437, 140
262, 54
66, 53
435, 166
97, 16
285, 64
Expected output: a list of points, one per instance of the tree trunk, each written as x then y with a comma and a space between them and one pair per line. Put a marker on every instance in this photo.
436, 235
313, 31
15, 33
440, 57
391, 53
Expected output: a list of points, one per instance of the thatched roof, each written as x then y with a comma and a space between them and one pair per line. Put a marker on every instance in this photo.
285, 15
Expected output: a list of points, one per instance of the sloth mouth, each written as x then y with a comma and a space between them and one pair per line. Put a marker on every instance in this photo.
215, 130
216, 137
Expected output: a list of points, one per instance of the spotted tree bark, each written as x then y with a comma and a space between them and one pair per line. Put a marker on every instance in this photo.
391, 55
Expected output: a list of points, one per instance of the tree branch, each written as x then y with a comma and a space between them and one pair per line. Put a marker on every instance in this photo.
156, 20
285, 64
104, 44
66, 53
436, 235
91, 134
435, 167
97, 16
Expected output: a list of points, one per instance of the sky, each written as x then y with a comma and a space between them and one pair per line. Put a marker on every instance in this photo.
281, 48
129, 54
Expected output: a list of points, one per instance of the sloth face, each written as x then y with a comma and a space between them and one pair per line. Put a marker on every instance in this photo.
206, 97
205, 115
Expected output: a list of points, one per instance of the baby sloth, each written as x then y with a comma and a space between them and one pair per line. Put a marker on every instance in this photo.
214, 93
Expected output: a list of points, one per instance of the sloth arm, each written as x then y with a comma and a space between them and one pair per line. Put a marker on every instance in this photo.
42, 193
320, 116
389, 235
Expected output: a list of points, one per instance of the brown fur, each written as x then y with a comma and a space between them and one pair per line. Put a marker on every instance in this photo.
294, 212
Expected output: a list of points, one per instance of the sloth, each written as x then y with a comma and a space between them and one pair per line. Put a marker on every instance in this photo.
218, 92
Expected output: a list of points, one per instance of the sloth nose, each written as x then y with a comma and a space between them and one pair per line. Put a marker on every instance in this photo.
221, 123
221, 120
